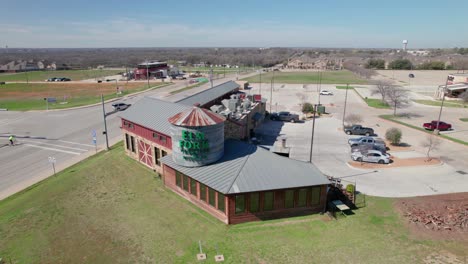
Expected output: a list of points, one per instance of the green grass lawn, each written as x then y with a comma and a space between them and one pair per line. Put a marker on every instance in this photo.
331, 77
376, 103
464, 119
111, 209
438, 103
217, 70
398, 120
343, 87
188, 87
77, 96
75, 75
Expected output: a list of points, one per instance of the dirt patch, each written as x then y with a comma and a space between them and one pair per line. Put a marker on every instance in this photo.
436, 217
401, 147
396, 163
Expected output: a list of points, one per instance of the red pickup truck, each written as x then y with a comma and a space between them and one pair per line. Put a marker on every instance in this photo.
433, 125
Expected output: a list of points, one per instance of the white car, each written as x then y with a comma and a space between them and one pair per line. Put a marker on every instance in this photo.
325, 92
374, 156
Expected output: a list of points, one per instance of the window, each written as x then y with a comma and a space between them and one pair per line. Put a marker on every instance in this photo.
289, 199
163, 153
268, 199
315, 197
162, 138
132, 142
211, 196
302, 198
178, 179
185, 183
254, 202
193, 187
127, 141
221, 202
202, 192
240, 204
157, 156
128, 124
155, 135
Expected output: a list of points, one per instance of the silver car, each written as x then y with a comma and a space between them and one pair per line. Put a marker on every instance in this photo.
374, 156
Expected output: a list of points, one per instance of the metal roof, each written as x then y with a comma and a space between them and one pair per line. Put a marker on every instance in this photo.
208, 95
248, 168
153, 113
196, 117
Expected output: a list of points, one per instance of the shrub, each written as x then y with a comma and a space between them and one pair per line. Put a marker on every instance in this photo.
353, 119
350, 188
393, 135
307, 108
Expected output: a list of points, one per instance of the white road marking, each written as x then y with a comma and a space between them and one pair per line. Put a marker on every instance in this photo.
69, 142
54, 149
59, 146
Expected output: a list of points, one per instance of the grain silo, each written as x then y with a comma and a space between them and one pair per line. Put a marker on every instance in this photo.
197, 137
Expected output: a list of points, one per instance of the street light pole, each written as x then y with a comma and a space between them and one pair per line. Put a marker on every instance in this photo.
147, 72
345, 101
442, 104
105, 122
312, 137
260, 82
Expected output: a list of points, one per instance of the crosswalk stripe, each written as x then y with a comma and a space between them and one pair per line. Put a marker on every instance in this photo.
59, 146
69, 142
54, 149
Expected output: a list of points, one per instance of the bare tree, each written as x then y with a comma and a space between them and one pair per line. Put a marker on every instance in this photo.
431, 143
353, 119
397, 97
464, 97
381, 88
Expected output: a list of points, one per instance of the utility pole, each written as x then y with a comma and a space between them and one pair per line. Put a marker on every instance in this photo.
211, 77
442, 104
345, 101
105, 123
147, 72
320, 86
313, 130
126, 72
260, 82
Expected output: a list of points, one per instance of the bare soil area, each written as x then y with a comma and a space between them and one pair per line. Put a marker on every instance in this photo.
436, 217
396, 163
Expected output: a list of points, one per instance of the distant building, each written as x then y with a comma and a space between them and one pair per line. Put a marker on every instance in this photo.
150, 70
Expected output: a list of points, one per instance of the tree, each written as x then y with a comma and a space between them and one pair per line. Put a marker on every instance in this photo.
376, 64
431, 143
464, 97
432, 65
381, 88
393, 135
400, 64
397, 97
353, 119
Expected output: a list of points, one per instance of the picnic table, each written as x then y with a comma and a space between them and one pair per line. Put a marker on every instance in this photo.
340, 206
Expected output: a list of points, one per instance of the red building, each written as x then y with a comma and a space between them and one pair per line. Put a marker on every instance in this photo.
232, 180
150, 70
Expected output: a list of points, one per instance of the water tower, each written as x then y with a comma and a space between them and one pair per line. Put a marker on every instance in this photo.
405, 43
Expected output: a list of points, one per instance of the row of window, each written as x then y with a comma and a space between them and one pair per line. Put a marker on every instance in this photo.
190, 186
130, 142
160, 137
128, 124
292, 199
158, 153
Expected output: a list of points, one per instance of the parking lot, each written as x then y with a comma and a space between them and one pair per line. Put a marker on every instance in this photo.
331, 152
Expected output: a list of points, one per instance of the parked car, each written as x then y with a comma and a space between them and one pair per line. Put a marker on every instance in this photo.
51, 79
359, 130
374, 156
284, 116
121, 106
325, 92
433, 125
66, 79
353, 142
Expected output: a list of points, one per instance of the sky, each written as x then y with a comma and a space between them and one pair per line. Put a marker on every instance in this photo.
239, 23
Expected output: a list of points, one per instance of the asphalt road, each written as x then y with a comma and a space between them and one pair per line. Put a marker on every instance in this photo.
65, 135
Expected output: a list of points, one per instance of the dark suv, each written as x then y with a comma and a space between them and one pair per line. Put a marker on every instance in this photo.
284, 116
